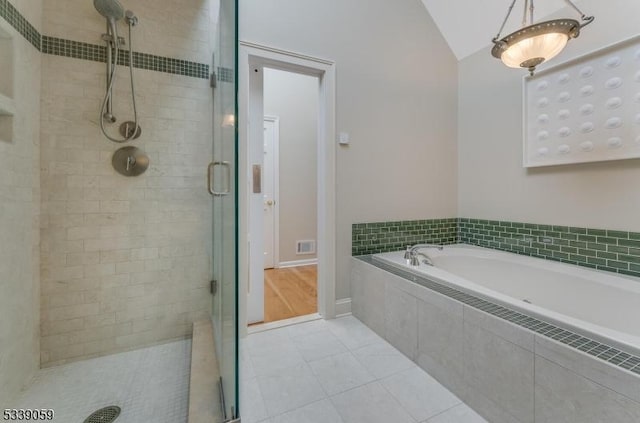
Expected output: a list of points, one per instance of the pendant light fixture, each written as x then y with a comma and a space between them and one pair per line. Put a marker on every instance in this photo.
534, 44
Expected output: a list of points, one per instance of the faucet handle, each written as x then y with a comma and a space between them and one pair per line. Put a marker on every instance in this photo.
407, 254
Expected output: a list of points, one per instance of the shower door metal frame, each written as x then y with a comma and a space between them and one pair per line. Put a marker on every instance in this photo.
224, 193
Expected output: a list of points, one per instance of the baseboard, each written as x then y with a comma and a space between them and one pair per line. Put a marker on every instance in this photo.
296, 263
343, 307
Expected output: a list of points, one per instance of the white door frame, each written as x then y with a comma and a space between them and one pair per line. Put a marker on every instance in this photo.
276, 189
251, 54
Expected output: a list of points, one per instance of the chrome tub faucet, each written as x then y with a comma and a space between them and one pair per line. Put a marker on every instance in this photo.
412, 254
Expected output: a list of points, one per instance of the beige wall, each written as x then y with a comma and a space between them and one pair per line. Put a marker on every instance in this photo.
19, 217
294, 99
397, 84
492, 182
125, 261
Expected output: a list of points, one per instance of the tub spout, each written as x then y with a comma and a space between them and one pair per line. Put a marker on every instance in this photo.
412, 254
420, 246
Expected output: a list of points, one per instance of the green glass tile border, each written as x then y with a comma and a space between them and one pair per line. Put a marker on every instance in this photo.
75, 49
601, 249
380, 237
226, 74
98, 53
573, 340
20, 23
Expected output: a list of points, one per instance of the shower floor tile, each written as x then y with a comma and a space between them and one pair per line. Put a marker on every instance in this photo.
150, 384
369, 389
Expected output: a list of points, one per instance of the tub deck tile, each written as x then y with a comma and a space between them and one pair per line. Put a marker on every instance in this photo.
604, 353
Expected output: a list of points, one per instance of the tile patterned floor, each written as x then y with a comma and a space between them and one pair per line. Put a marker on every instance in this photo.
150, 385
338, 371
335, 371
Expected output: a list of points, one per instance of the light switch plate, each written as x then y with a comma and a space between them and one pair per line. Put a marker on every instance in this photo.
343, 138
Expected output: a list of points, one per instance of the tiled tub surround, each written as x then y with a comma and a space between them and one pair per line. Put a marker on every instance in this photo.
606, 308
609, 250
380, 237
506, 365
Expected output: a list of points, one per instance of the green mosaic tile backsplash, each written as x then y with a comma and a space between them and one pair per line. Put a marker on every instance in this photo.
372, 238
612, 251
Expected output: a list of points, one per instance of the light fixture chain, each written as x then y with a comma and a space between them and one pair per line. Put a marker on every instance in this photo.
530, 46
576, 9
506, 18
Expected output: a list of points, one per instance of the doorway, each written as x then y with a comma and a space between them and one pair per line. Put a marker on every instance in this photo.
290, 204
255, 208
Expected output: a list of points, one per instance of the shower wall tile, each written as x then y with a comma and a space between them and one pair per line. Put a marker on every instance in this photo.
170, 28
22, 16
125, 261
20, 212
26, 18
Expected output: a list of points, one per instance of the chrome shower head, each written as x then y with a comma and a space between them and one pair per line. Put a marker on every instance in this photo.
110, 9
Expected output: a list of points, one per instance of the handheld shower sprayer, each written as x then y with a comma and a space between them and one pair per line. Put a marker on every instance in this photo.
113, 12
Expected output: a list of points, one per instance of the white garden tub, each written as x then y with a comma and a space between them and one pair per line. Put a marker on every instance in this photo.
600, 305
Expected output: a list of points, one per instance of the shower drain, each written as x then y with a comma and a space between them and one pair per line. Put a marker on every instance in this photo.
104, 415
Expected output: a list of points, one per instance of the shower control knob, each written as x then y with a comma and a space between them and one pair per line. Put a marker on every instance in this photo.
126, 130
130, 161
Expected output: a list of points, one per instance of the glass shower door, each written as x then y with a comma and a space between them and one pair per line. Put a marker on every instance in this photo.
223, 183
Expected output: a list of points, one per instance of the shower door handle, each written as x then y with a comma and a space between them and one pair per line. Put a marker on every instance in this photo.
211, 179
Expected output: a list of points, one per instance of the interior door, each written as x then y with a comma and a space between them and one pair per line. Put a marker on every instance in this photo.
269, 191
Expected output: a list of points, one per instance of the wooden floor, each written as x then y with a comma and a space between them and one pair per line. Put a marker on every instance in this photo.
290, 292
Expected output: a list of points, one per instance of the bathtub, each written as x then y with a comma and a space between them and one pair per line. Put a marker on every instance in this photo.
518, 339
599, 305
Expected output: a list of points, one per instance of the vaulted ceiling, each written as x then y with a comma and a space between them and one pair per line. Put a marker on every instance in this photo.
469, 25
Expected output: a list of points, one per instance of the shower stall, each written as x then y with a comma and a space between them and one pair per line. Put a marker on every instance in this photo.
220, 174
118, 206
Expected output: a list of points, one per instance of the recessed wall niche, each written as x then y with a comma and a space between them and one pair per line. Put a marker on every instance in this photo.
7, 108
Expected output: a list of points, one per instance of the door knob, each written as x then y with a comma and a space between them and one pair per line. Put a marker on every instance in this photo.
270, 202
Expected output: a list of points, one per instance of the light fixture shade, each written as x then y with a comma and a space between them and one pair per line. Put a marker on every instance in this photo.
535, 44
537, 49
